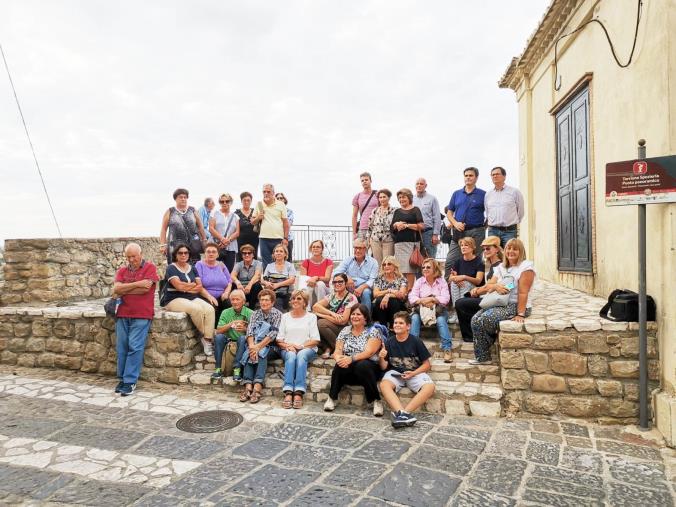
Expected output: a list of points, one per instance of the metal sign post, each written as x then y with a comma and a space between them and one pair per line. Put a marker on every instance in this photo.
642, 308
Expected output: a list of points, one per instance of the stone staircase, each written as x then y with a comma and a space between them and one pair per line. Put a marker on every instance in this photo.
461, 388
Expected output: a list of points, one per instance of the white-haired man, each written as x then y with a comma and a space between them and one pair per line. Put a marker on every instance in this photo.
135, 285
274, 223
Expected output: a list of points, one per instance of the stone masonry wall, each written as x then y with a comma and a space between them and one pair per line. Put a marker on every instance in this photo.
84, 339
586, 373
50, 270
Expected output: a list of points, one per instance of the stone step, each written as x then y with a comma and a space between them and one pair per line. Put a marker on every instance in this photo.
450, 397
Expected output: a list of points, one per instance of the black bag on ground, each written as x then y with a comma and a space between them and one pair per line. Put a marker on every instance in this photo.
623, 306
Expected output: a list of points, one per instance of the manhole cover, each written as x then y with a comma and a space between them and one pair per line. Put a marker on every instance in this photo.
209, 421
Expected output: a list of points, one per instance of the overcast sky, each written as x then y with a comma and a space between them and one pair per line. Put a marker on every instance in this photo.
125, 101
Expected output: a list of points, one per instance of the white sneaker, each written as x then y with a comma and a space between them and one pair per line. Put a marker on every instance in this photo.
378, 408
453, 318
208, 347
329, 405
475, 362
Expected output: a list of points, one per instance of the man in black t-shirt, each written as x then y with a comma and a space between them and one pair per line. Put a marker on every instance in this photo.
406, 360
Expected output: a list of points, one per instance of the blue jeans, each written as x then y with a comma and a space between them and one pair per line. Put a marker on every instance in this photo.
220, 342
255, 373
241, 345
267, 245
442, 329
504, 236
295, 369
130, 344
427, 243
366, 298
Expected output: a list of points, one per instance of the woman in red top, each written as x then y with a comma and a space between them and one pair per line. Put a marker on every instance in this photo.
319, 270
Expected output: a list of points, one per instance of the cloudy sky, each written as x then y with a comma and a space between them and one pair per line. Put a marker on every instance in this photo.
125, 101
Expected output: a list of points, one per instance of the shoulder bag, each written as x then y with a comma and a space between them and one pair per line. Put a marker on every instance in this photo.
496, 299
418, 255
623, 305
257, 225
196, 245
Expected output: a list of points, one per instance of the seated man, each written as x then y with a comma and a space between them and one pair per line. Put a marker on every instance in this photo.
406, 360
361, 270
232, 327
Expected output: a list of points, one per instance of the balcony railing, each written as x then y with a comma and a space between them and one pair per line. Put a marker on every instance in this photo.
337, 241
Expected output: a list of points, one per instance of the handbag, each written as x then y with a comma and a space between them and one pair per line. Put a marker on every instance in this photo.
110, 307
196, 246
418, 255
257, 225
494, 298
623, 305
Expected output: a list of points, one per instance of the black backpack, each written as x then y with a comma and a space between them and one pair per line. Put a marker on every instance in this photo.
623, 306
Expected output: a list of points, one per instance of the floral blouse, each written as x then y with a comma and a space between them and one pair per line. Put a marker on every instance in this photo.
379, 224
383, 284
355, 344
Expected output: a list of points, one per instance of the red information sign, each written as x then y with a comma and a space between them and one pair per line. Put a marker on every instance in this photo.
649, 181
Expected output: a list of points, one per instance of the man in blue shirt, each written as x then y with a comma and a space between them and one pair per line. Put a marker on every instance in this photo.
205, 213
361, 271
465, 212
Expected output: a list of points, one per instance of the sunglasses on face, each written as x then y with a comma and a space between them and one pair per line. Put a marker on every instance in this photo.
225, 202
486, 248
247, 253
338, 282
183, 252
427, 267
298, 298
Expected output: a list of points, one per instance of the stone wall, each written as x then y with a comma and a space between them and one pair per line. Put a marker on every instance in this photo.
39, 271
586, 373
83, 338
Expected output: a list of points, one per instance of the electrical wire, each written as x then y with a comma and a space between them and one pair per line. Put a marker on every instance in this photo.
557, 79
25, 127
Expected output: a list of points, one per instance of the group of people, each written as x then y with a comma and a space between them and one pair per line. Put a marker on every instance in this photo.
366, 313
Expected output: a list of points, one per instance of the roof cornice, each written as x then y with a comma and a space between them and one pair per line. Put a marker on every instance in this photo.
541, 40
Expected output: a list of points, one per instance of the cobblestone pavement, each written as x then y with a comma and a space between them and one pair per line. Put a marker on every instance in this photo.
65, 440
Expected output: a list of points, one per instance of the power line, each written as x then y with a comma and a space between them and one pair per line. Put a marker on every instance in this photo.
23, 120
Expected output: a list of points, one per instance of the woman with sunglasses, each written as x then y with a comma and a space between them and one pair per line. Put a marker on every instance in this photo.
246, 275
297, 340
181, 294
224, 228
431, 291
318, 269
467, 307
333, 313
390, 292
356, 356
279, 276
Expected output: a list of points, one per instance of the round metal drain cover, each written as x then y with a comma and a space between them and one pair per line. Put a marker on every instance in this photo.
209, 421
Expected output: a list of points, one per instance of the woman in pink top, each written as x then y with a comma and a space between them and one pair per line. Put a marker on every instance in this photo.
319, 269
431, 291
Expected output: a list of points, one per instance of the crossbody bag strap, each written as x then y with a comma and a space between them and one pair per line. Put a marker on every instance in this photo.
185, 224
367, 203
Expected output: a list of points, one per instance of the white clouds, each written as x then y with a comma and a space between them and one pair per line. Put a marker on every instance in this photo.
128, 100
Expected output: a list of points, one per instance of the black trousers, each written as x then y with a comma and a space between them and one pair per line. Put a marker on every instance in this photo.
364, 372
466, 308
252, 297
227, 258
386, 316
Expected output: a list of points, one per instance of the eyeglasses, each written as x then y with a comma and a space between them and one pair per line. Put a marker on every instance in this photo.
183, 252
225, 202
359, 248
427, 267
338, 282
247, 253
486, 247
297, 298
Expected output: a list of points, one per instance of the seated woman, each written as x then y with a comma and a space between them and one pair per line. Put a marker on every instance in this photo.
246, 275
216, 280
333, 313
181, 294
279, 276
430, 292
468, 270
389, 291
297, 340
515, 276
319, 269
357, 362
466, 307
261, 335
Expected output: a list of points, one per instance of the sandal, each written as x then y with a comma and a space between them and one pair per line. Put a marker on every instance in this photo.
298, 400
245, 395
288, 400
255, 396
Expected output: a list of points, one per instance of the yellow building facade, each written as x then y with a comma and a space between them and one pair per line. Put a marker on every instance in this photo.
578, 112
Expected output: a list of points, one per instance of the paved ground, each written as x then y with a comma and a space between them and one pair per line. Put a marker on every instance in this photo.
65, 440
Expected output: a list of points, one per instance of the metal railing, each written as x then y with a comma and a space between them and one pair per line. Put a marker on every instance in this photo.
337, 241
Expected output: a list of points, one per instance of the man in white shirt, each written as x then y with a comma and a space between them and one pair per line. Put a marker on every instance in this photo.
504, 208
